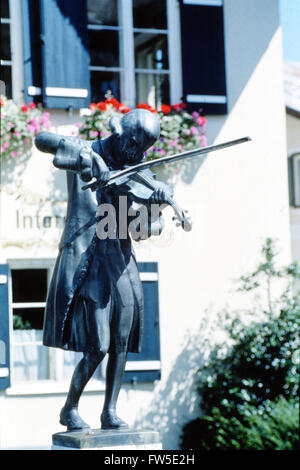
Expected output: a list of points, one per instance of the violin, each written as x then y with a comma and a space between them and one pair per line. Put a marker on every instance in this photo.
140, 187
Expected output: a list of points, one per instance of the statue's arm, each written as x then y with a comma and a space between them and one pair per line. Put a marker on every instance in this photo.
73, 154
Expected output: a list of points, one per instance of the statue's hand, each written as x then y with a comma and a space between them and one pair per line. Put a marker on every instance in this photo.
93, 166
161, 194
158, 196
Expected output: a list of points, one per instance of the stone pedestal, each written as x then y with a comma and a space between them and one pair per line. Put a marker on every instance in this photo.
98, 439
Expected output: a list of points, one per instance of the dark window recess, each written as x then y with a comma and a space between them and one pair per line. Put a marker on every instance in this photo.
5, 52
102, 82
30, 318
29, 285
102, 12
5, 76
4, 9
151, 51
104, 48
150, 14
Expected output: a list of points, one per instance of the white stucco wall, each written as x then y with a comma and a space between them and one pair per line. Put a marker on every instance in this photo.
237, 198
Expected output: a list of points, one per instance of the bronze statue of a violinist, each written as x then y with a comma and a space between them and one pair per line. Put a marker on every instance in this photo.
95, 302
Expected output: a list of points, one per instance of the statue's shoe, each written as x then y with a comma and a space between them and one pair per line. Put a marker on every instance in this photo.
109, 420
71, 419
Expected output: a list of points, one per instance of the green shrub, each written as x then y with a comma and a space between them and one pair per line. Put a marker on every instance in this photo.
249, 392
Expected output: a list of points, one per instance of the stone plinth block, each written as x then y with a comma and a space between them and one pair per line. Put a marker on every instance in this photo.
99, 439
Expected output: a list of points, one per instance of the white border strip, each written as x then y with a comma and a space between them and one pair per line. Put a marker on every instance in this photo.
34, 90
206, 99
66, 92
142, 365
209, 3
3, 279
149, 276
4, 372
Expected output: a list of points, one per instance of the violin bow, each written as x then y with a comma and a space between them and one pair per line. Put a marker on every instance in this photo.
131, 170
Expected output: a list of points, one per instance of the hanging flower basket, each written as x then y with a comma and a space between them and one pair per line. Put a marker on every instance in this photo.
19, 126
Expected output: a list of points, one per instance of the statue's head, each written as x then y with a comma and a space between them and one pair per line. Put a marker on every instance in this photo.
134, 133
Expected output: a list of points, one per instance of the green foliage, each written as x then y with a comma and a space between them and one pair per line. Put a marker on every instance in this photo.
249, 392
20, 324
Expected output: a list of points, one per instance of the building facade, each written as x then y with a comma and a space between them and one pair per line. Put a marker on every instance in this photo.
224, 57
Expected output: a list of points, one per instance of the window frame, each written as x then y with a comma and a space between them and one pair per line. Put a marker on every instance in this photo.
28, 263
16, 60
294, 182
56, 356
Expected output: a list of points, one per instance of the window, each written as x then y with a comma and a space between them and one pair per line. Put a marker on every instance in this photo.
5, 55
32, 361
29, 282
294, 179
11, 59
128, 47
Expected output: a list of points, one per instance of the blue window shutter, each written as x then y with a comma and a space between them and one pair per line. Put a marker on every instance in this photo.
145, 366
65, 54
203, 56
31, 51
4, 328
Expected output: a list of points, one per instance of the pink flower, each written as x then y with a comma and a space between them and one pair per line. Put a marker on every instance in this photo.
203, 140
2, 149
17, 133
6, 144
194, 130
93, 134
7, 137
186, 131
30, 128
14, 154
180, 147
195, 114
162, 151
173, 143
77, 124
201, 121
26, 141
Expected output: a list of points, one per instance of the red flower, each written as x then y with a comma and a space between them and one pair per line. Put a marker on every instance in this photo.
114, 102
146, 106
165, 108
24, 108
101, 105
178, 106
124, 109
2, 101
32, 105
93, 106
